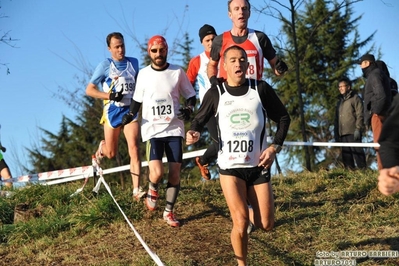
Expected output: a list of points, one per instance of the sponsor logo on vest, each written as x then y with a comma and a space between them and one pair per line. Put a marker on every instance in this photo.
249, 52
238, 118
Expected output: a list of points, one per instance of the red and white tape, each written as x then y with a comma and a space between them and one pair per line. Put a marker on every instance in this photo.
77, 173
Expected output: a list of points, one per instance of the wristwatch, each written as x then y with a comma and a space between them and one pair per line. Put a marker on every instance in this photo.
276, 147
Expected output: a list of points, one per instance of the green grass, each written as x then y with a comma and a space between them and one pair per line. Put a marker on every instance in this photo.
335, 210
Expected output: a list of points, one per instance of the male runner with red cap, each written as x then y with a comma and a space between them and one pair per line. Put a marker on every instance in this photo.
158, 90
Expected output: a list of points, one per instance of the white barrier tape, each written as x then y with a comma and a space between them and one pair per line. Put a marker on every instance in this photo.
64, 180
96, 188
80, 189
84, 171
331, 144
73, 174
154, 256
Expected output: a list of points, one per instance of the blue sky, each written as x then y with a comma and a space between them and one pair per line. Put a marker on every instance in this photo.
54, 36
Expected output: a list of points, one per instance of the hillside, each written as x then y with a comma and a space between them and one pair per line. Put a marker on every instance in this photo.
327, 211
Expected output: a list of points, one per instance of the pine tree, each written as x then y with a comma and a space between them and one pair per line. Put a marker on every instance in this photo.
322, 44
184, 50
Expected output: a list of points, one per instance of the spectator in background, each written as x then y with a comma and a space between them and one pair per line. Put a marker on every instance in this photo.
388, 179
377, 97
196, 72
348, 125
394, 85
4, 169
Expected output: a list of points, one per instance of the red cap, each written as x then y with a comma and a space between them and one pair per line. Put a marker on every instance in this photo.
157, 39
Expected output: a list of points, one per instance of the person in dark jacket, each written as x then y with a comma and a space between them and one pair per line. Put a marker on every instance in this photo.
394, 85
388, 179
4, 169
377, 97
348, 125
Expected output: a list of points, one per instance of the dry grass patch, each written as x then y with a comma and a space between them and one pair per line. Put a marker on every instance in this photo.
334, 210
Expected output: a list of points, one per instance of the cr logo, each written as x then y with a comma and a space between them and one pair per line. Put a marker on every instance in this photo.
238, 118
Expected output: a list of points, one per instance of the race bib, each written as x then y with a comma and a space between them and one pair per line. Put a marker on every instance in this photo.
125, 85
251, 71
162, 110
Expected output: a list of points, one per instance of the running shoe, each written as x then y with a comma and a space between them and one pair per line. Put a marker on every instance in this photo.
139, 195
203, 169
151, 200
99, 154
170, 218
251, 227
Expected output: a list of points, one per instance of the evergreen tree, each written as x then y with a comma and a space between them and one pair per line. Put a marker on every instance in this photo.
322, 44
54, 154
184, 50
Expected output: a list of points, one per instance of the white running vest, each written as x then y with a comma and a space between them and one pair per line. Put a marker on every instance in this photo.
123, 81
159, 92
242, 123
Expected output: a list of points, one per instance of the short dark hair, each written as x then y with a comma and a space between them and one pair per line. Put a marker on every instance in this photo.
347, 81
229, 2
116, 35
235, 47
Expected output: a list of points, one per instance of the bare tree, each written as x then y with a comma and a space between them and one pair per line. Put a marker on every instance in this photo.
5, 38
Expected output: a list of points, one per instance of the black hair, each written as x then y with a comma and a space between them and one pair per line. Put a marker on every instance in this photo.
235, 47
347, 81
116, 35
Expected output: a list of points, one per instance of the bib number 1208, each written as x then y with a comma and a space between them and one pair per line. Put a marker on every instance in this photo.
241, 145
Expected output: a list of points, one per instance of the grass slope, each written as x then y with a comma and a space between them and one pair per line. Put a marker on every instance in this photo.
334, 210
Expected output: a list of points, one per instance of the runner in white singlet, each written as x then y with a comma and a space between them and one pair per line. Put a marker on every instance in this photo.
241, 106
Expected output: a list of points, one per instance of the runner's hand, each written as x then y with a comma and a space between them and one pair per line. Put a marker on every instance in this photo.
216, 81
116, 96
185, 113
127, 118
281, 66
356, 135
192, 137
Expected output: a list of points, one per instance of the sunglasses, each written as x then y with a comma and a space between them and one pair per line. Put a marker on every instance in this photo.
157, 50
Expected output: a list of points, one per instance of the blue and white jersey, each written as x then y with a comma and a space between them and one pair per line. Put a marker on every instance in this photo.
117, 76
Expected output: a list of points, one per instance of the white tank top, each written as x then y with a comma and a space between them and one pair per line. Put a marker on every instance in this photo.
122, 81
242, 123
